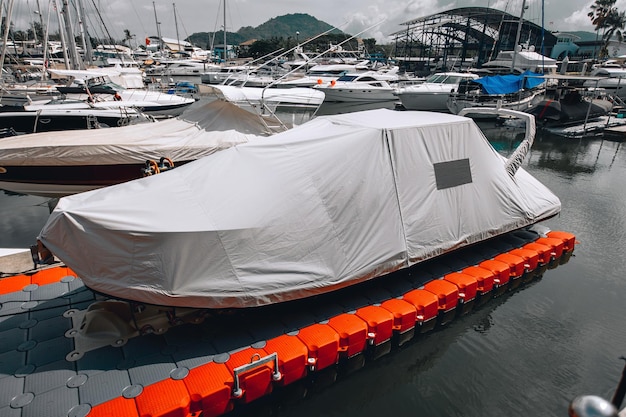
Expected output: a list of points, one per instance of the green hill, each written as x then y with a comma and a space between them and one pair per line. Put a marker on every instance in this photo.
300, 25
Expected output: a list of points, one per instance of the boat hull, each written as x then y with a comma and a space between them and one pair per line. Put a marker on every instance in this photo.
561, 113
58, 120
455, 105
61, 180
59, 163
425, 101
357, 95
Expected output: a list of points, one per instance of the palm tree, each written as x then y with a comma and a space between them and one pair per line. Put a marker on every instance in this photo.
599, 11
615, 22
604, 15
127, 37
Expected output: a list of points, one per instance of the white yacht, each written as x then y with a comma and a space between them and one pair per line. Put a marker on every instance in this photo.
433, 94
320, 74
614, 83
91, 85
370, 86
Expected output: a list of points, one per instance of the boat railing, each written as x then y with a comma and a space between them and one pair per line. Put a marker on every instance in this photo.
517, 157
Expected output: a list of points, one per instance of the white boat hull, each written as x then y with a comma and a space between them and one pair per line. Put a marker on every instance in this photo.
425, 101
455, 105
357, 95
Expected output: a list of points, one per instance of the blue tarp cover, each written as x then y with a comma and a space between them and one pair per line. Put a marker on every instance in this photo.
510, 83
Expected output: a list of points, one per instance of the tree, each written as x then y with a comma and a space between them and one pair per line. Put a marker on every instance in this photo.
606, 17
263, 47
127, 37
615, 25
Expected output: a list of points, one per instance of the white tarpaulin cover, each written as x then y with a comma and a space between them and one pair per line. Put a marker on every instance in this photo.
197, 133
274, 96
338, 200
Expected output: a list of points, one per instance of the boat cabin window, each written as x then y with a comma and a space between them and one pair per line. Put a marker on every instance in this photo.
436, 78
327, 72
347, 78
104, 82
452, 80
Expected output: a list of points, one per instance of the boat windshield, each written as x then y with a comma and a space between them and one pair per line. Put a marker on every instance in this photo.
347, 78
446, 79
104, 82
436, 78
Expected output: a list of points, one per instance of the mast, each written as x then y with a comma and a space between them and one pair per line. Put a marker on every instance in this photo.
44, 72
84, 32
71, 47
225, 47
176, 25
158, 26
62, 33
517, 36
5, 38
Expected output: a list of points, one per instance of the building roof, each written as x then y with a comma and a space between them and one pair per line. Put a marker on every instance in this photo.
479, 28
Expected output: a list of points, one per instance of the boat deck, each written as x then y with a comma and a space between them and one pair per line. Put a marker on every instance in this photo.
616, 133
231, 359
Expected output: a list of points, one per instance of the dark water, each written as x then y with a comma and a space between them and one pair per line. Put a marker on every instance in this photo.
524, 354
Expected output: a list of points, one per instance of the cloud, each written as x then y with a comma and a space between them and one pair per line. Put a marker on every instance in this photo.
575, 20
387, 16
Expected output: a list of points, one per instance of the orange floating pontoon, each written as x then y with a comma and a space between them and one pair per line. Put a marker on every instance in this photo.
427, 305
194, 369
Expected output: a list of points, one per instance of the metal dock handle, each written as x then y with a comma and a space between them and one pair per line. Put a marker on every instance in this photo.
276, 375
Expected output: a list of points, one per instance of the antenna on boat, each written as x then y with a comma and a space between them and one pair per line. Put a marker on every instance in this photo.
518, 34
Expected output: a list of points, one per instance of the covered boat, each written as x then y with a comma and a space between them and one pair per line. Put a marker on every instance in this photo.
509, 91
337, 201
55, 164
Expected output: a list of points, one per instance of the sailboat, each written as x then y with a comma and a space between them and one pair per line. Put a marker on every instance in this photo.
510, 91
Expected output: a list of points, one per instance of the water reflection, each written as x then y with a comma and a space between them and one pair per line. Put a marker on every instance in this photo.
569, 156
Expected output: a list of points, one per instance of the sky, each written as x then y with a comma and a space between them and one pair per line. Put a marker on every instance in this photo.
369, 18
